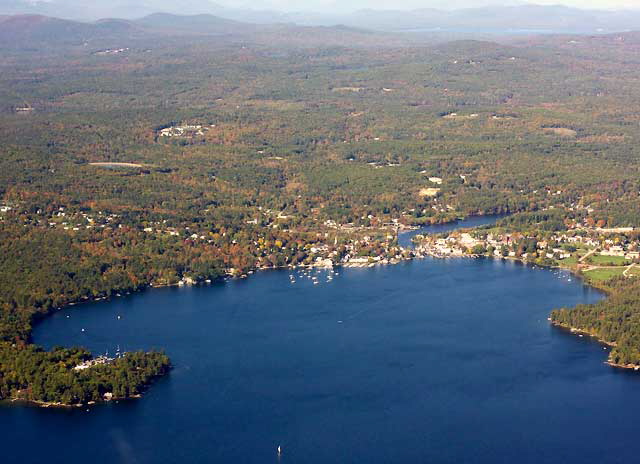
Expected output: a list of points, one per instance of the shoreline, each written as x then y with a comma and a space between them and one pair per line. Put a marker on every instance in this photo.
626, 367
57, 405
412, 255
141, 288
581, 332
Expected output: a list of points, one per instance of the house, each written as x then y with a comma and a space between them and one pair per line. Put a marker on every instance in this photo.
615, 250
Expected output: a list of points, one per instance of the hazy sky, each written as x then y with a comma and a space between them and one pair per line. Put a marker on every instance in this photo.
347, 5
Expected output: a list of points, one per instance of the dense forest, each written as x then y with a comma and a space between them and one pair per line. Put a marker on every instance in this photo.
615, 321
131, 163
49, 377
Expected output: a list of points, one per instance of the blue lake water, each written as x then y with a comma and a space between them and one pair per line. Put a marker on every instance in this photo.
424, 362
404, 238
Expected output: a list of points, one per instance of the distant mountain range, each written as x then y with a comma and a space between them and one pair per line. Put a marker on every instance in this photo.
91, 10
31, 30
505, 19
42, 32
527, 18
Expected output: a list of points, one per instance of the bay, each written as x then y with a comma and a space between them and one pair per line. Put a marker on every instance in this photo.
443, 361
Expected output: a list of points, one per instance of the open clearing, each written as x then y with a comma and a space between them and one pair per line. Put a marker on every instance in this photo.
561, 131
602, 260
603, 274
116, 165
460, 116
429, 192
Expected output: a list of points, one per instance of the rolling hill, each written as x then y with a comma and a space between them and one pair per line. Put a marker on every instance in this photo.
42, 32
496, 19
31, 30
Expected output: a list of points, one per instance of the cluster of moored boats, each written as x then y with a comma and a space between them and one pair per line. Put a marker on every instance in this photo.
313, 275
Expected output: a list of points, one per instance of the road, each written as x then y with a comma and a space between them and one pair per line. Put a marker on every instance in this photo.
626, 271
587, 255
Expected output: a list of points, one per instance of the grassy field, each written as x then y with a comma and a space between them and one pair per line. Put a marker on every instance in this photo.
570, 261
599, 275
608, 260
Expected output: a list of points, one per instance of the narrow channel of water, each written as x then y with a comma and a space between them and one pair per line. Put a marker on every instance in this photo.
404, 238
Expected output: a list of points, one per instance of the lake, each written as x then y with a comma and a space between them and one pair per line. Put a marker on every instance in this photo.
431, 361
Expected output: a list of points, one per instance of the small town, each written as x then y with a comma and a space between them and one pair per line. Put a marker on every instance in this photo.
596, 253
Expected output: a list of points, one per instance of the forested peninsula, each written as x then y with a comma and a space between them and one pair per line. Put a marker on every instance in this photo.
614, 321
